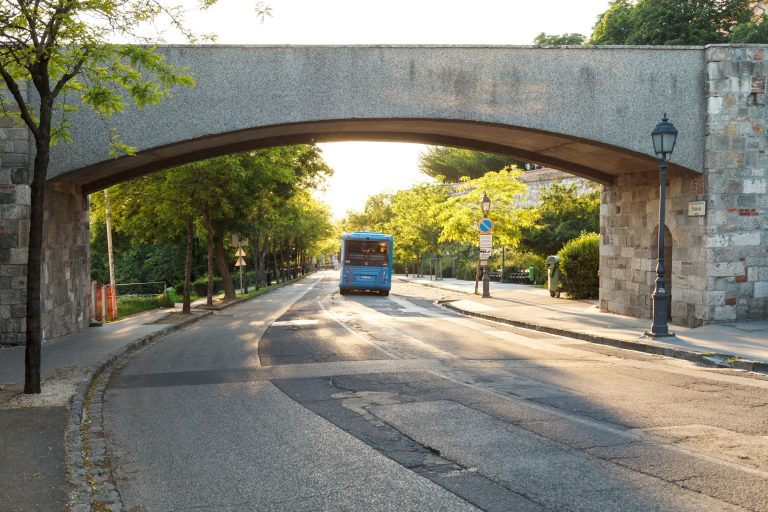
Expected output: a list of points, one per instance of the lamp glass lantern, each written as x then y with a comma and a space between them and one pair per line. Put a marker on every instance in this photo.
664, 137
485, 204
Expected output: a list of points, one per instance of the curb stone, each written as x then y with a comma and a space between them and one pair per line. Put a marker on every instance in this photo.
80, 421
704, 359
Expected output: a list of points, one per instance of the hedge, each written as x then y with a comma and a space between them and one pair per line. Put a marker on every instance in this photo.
579, 266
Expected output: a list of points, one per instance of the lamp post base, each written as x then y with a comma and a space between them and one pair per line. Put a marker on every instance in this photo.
486, 283
667, 334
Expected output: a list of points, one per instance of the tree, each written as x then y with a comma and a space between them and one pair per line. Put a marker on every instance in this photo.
562, 215
376, 215
61, 46
454, 163
414, 222
461, 212
671, 22
563, 39
753, 31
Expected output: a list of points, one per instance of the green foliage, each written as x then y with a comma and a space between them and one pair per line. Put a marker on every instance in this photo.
452, 164
376, 215
754, 31
674, 22
561, 216
559, 40
460, 213
518, 261
200, 286
414, 222
130, 304
579, 266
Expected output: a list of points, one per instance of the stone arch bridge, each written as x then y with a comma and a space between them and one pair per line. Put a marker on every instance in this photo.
585, 110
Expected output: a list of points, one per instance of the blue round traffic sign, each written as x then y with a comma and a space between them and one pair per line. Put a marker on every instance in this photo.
485, 226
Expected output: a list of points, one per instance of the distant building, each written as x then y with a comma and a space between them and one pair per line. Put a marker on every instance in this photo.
537, 178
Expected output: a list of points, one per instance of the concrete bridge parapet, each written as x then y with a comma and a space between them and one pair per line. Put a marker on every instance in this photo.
587, 111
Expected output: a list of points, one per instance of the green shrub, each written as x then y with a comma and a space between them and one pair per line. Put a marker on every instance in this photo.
165, 300
579, 264
516, 262
200, 287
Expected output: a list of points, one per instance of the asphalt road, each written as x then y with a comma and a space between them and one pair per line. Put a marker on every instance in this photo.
307, 400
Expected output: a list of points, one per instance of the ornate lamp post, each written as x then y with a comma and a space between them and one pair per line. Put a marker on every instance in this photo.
664, 137
485, 206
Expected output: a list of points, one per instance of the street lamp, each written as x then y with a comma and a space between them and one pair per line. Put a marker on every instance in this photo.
485, 206
664, 137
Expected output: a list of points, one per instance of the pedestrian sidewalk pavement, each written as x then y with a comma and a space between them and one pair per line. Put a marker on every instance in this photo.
742, 345
33, 458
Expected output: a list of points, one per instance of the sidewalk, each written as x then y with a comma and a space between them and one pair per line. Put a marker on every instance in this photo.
33, 468
742, 345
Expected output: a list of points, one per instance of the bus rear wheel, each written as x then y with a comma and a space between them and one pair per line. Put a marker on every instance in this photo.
343, 291
384, 292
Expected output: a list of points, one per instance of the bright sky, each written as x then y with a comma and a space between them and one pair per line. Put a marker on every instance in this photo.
390, 166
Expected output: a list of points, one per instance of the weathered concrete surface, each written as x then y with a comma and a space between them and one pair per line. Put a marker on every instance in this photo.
587, 110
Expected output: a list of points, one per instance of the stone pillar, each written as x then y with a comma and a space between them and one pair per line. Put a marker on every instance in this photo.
15, 153
629, 216
66, 263
736, 238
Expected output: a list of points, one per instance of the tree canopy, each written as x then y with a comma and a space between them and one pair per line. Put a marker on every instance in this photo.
562, 215
562, 39
454, 163
64, 51
678, 22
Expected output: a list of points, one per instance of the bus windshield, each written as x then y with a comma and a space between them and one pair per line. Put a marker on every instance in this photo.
363, 253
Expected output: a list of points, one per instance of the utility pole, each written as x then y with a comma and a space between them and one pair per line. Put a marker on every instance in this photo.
108, 222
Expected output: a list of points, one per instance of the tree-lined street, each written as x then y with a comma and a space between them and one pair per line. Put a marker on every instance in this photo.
307, 400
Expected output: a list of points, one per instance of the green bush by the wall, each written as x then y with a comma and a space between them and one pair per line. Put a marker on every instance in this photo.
579, 265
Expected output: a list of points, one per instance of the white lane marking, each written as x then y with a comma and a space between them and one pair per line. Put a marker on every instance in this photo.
378, 347
295, 323
664, 364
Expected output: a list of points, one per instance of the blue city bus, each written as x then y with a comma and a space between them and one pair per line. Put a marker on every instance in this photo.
366, 262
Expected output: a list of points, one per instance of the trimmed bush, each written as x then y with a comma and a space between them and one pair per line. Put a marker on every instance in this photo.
579, 265
200, 287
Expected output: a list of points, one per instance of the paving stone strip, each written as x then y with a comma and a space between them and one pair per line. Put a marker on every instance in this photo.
90, 478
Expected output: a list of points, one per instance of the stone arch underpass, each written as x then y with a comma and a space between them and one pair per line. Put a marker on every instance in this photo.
585, 110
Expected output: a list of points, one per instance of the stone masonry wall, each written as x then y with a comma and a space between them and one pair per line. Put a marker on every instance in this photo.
629, 215
14, 228
66, 265
736, 239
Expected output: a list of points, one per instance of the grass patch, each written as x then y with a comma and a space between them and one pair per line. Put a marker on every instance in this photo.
131, 304
254, 293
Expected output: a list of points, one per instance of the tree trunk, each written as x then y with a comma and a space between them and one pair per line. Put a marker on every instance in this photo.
221, 260
274, 262
283, 263
209, 230
34, 329
186, 303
